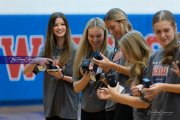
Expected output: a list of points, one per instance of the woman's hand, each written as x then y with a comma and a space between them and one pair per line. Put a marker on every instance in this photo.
136, 90
103, 94
154, 90
57, 74
104, 64
177, 69
86, 74
113, 91
42, 61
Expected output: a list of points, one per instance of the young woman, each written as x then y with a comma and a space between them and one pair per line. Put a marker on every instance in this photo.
95, 37
162, 70
136, 51
118, 25
60, 100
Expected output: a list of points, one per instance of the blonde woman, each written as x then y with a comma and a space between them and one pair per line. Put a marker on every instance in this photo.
95, 37
118, 25
162, 70
60, 100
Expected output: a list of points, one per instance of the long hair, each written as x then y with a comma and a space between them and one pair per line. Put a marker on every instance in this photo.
118, 15
51, 39
85, 48
134, 43
165, 15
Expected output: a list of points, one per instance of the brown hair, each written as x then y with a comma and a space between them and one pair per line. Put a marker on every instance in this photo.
51, 39
165, 15
117, 15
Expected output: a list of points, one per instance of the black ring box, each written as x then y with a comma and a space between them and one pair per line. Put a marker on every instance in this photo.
146, 83
97, 55
111, 80
51, 67
85, 65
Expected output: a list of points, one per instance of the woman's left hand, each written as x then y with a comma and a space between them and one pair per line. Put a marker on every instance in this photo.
177, 69
154, 90
104, 64
57, 74
113, 90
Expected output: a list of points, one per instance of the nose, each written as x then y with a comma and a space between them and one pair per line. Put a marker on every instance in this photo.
162, 34
110, 31
59, 26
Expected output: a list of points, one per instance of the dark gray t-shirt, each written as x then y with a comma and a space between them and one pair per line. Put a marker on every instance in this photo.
89, 100
121, 78
59, 97
165, 105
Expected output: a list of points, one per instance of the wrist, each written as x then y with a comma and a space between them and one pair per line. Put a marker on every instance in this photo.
62, 77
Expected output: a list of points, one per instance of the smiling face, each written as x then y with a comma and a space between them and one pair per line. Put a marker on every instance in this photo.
164, 32
114, 28
59, 28
95, 37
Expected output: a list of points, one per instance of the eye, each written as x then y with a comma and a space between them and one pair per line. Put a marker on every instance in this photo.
99, 36
167, 30
55, 25
91, 36
63, 24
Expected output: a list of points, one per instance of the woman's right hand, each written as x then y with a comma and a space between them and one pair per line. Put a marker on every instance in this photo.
104, 64
42, 61
103, 94
86, 74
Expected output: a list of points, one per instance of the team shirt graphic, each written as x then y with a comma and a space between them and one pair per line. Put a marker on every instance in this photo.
159, 74
116, 60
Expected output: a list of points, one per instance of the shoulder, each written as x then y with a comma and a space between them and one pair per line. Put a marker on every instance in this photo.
154, 54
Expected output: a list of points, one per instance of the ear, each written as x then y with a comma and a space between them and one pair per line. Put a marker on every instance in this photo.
175, 28
123, 21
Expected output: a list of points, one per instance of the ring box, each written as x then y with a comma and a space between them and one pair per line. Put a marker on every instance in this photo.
51, 67
85, 65
146, 83
97, 55
111, 80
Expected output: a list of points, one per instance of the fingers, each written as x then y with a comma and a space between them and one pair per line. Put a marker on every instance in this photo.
48, 59
102, 55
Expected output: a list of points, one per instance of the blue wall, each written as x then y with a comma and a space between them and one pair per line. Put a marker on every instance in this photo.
28, 25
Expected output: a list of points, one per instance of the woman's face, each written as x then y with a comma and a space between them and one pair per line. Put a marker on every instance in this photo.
114, 28
126, 56
59, 28
164, 32
95, 37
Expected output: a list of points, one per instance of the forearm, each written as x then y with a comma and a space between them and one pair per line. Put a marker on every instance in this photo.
175, 88
81, 84
130, 100
122, 69
105, 82
67, 78
28, 69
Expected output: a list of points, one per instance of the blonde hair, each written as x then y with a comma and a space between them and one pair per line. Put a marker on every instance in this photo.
85, 48
51, 39
170, 52
134, 43
118, 15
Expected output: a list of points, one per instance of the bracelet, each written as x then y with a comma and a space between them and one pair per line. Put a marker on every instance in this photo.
119, 68
62, 76
108, 71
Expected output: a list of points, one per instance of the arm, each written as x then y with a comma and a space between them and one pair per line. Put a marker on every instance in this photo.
30, 67
160, 87
82, 83
129, 100
107, 64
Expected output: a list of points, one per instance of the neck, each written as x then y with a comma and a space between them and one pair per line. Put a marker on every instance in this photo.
60, 42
